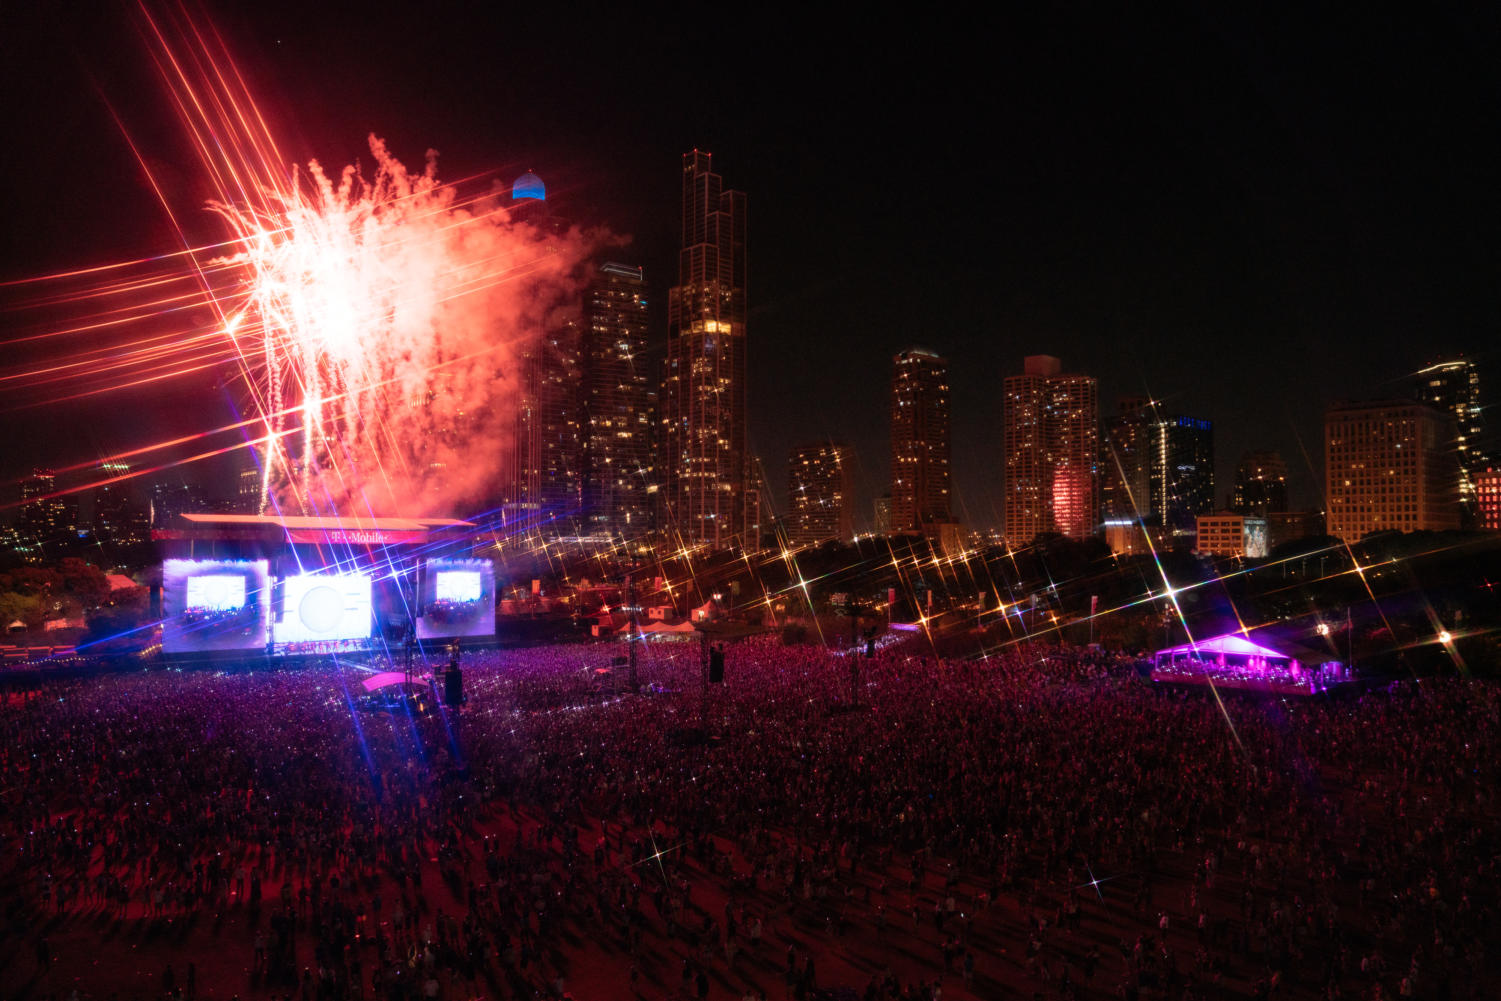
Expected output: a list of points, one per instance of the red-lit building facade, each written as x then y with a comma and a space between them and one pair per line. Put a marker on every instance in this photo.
1051, 442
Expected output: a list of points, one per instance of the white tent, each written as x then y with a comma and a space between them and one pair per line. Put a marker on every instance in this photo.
1230, 645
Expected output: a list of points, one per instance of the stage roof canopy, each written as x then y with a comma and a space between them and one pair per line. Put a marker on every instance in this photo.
303, 529
293, 521
1238, 645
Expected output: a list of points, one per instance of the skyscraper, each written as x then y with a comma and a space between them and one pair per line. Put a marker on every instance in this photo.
618, 464
541, 481
120, 522
1260, 484
703, 388
248, 488
1182, 474
1125, 478
1454, 387
1050, 436
819, 494
1389, 466
168, 500
919, 443
46, 520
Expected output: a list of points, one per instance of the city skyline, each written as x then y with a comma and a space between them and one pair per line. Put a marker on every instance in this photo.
1308, 242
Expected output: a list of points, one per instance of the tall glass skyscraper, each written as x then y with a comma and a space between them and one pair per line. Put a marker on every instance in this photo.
617, 404
703, 382
1454, 387
1182, 472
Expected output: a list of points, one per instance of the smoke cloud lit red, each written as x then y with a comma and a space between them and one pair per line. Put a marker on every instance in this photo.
381, 323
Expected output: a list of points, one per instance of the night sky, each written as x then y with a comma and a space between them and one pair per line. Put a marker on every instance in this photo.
1244, 213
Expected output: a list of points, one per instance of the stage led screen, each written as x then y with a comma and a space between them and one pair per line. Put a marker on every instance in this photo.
319, 607
457, 599
216, 592
459, 585
214, 605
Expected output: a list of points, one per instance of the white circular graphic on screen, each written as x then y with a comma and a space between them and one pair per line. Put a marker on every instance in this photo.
321, 609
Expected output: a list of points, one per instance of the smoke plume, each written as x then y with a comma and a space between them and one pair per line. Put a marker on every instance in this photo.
382, 324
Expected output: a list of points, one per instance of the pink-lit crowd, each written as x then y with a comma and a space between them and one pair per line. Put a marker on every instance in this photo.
1038, 822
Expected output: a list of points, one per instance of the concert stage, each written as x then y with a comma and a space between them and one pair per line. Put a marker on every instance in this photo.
237, 585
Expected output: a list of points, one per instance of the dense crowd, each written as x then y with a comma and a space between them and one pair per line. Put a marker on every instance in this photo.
1038, 822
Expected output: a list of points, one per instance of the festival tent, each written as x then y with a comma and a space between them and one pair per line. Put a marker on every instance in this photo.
1237, 661
1239, 646
657, 628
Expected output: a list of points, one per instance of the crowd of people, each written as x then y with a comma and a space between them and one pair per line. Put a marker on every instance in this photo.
1039, 822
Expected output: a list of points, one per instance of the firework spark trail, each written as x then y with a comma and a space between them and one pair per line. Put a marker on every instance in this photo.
362, 284
377, 323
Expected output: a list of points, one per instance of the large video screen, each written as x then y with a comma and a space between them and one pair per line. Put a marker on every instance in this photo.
459, 585
213, 605
319, 607
457, 599
216, 592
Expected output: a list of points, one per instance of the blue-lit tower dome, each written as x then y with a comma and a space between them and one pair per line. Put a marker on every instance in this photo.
529, 186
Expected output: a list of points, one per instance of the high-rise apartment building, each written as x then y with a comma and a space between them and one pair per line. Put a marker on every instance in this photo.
1454, 387
919, 443
1389, 466
618, 463
703, 454
1260, 484
1051, 440
819, 493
